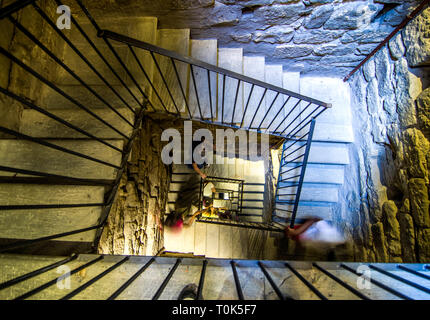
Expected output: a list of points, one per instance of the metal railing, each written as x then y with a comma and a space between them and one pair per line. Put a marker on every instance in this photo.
387, 281
292, 169
287, 114
266, 108
9, 15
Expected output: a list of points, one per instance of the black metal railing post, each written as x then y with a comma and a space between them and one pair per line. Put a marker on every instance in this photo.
302, 173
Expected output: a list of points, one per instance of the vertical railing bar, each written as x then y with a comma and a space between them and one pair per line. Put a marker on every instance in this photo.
314, 117
55, 147
118, 58
54, 281
247, 104
300, 114
306, 282
258, 108
93, 280
166, 280
65, 67
268, 110
58, 90
425, 276
236, 280
280, 168
285, 118
14, 7
91, 43
279, 111
202, 280
272, 283
136, 58
307, 117
297, 149
181, 87
210, 94
235, 101
131, 280
396, 277
341, 282
379, 284
164, 81
73, 47
54, 117
302, 174
37, 272
223, 99
196, 90
297, 140
25, 243
292, 160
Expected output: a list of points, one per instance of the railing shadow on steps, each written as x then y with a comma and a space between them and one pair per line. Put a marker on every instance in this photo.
338, 281
288, 115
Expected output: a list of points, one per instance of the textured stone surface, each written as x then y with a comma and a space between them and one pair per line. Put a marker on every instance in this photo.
351, 15
318, 17
393, 147
423, 107
134, 221
260, 26
417, 40
418, 196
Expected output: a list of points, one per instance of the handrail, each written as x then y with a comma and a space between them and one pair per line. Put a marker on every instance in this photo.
403, 24
198, 63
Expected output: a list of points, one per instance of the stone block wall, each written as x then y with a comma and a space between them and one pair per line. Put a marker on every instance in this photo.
391, 109
133, 226
310, 36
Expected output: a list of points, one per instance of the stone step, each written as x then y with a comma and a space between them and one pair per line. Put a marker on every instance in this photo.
180, 241
37, 223
290, 81
36, 124
240, 243
324, 153
253, 67
317, 173
310, 192
53, 100
333, 132
329, 90
140, 28
31, 156
251, 187
273, 75
212, 240
206, 51
226, 242
200, 239
177, 40
251, 218
230, 59
314, 209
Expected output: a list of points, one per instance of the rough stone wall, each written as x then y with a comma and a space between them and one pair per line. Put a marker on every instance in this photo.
391, 110
311, 36
133, 224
